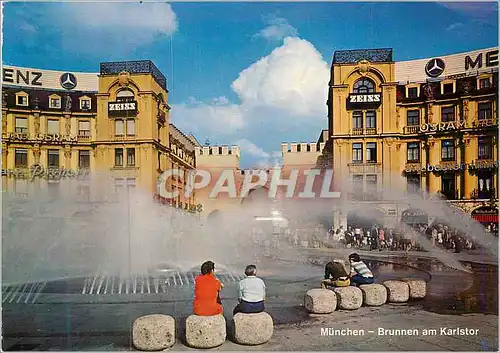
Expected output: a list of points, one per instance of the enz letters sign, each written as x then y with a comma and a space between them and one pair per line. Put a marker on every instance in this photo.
122, 108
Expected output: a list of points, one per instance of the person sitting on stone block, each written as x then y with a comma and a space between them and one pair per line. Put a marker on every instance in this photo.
335, 275
251, 293
207, 292
360, 273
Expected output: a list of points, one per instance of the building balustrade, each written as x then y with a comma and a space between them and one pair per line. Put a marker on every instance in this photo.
364, 131
483, 194
411, 129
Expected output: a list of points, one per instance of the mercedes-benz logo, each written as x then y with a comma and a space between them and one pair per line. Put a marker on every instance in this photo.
434, 67
68, 81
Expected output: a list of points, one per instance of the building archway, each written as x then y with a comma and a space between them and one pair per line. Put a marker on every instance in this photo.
258, 194
365, 218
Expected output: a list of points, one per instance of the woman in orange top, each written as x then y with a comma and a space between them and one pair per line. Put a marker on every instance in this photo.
206, 292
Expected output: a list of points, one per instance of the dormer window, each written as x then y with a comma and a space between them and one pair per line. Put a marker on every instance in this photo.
22, 99
85, 103
412, 92
484, 83
448, 87
364, 85
55, 102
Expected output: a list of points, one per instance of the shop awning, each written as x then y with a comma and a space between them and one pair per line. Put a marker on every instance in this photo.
486, 218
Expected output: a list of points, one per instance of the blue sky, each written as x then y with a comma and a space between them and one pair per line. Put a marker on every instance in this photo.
254, 74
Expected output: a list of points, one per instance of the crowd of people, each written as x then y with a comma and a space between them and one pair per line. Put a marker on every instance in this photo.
389, 238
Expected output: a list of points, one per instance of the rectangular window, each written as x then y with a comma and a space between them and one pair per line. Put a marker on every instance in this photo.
85, 104
130, 127
413, 183
447, 114
371, 152
485, 148
448, 187
55, 103
52, 127
413, 117
22, 125
84, 159
484, 111
413, 152
119, 129
119, 157
357, 183
53, 158
357, 120
371, 183
448, 88
22, 101
412, 92
485, 184
130, 157
21, 158
84, 128
371, 119
119, 185
484, 83
357, 152
447, 150
130, 182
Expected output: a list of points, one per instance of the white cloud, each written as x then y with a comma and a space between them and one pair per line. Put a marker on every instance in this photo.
282, 96
128, 17
294, 77
247, 146
278, 28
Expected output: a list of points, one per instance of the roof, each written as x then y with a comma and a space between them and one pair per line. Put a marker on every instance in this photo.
134, 67
356, 55
179, 135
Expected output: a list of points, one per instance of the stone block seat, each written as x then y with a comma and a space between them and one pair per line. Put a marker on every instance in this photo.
153, 332
418, 287
320, 301
349, 298
374, 294
253, 329
397, 291
205, 331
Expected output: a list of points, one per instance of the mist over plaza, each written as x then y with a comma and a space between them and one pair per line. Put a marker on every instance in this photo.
140, 140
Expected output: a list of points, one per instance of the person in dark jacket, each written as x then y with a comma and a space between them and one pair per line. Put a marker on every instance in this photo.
335, 275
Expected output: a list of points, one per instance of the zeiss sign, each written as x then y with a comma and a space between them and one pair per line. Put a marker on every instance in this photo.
122, 108
359, 100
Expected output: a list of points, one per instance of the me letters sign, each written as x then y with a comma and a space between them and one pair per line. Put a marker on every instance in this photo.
122, 108
488, 59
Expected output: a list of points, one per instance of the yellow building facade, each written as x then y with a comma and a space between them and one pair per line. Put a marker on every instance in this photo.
426, 126
59, 128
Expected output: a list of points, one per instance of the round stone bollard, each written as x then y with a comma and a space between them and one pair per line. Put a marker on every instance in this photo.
320, 301
397, 291
418, 287
253, 329
373, 294
205, 331
153, 332
349, 298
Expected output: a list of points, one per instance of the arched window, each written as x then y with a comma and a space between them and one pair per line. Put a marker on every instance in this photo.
364, 85
125, 95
